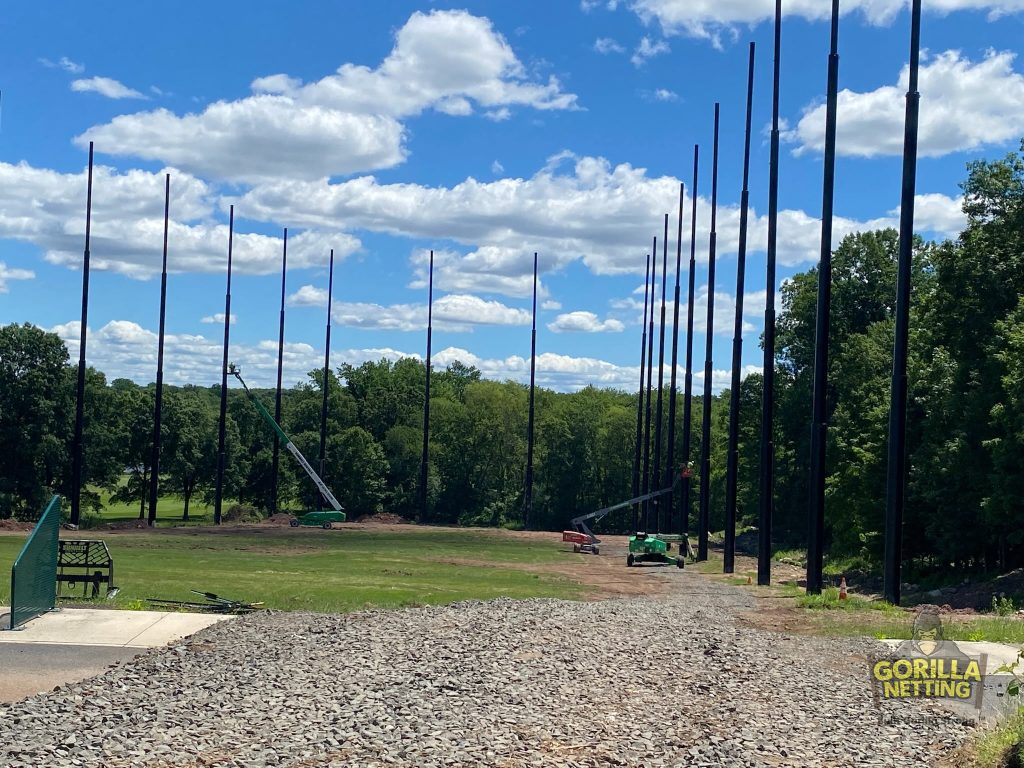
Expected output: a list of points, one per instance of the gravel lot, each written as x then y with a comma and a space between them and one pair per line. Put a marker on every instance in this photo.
659, 681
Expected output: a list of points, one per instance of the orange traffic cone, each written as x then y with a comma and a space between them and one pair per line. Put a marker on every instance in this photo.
842, 588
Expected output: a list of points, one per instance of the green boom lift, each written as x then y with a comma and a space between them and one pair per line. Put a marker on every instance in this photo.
323, 519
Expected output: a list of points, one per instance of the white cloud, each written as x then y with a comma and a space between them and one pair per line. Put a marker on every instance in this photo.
454, 312
648, 50
497, 167
218, 319
63, 63
964, 105
551, 305
13, 273
711, 18
592, 211
605, 45
584, 322
309, 296
345, 122
106, 86
46, 208
663, 94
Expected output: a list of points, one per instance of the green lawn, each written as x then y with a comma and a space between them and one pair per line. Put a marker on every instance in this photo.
340, 570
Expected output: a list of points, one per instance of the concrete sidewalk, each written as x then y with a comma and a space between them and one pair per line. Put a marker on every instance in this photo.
122, 629
73, 644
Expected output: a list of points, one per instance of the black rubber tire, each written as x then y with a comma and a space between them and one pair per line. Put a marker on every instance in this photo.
293, 523
630, 560
680, 563
597, 550
327, 525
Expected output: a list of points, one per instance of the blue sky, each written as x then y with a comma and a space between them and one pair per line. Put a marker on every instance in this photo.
485, 131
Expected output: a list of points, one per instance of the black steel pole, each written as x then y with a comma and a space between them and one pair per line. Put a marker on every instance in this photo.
529, 427
219, 494
656, 468
321, 501
276, 462
640, 397
704, 513
76, 449
688, 381
650, 369
897, 469
733, 453
819, 416
766, 476
670, 450
154, 472
425, 455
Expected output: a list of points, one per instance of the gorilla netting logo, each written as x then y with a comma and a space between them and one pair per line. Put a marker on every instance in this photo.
929, 667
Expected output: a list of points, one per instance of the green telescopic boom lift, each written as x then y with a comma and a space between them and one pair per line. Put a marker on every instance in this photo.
320, 484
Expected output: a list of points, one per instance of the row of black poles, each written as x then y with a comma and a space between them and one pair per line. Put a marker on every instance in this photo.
656, 475
76, 447
688, 381
650, 369
154, 472
897, 469
528, 512
766, 477
321, 501
819, 414
276, 461
671, 448
733, 453
640, 400
704, 511
218, 501
424, 457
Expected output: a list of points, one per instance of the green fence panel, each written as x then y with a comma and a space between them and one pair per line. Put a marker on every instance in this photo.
34, 573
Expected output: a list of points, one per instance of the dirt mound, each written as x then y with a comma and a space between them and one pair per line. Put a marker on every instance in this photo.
125, 525
384, 518
15, 525
281, 518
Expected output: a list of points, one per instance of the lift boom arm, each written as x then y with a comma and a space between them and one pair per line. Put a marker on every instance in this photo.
320, 484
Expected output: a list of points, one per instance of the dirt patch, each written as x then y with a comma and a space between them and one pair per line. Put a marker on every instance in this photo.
15, 525
384, 518
279, 519
605, 576
125, 525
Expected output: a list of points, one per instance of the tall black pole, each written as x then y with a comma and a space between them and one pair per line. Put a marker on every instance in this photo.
154, 472
650, 369
766, 477
704, 513
688, 381
819, 424
219, 495
276, 464
76, 455
733, 454
656, 470
640, 397
425, 455
326, 378
670, 451
529, 427
897, 472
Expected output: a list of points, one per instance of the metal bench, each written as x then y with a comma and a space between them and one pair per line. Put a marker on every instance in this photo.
87, 563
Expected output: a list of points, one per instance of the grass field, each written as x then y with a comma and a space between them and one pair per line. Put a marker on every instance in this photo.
314, 570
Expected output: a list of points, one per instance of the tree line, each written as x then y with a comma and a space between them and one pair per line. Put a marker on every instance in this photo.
965, 419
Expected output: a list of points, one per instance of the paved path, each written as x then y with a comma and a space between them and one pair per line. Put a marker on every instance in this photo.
73, 644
